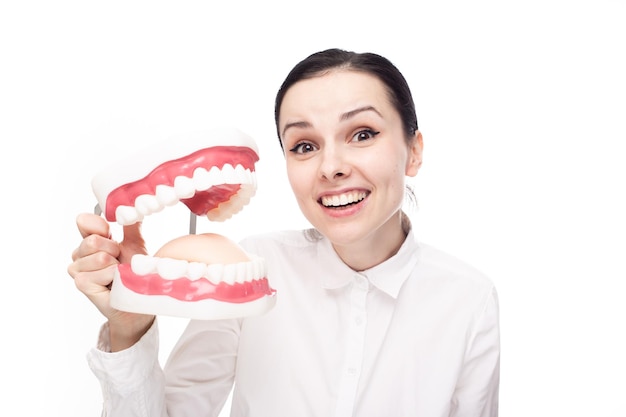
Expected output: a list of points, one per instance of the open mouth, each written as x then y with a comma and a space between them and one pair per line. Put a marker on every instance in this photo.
343, 200
213, 174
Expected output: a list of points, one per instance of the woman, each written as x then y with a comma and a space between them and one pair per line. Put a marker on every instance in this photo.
369, 321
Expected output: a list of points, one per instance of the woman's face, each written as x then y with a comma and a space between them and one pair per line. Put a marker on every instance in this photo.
347, 156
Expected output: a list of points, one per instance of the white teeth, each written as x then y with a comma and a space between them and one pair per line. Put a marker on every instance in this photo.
147, 204
241, 272
196, 270
233, 206
202, 179
143, 264
185, 187
230, 274
343, 199
171, 268
229, 176
214, 273
126, 215
166, 195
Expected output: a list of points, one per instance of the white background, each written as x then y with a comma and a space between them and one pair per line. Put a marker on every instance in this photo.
522, 106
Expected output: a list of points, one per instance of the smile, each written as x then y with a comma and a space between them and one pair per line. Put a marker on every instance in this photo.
342, 200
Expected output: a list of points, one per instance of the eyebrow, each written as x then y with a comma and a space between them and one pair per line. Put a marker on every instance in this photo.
345, 116
352, 113
301, 125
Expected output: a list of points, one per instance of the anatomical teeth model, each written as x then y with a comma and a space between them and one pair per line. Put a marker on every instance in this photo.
203, 276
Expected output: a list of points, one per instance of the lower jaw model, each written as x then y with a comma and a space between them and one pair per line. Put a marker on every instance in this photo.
198, 276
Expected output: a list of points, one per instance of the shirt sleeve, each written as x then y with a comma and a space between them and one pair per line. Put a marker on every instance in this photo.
197, 379
132, 381
476, 393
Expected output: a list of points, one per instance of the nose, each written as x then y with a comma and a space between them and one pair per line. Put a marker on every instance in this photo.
334, 164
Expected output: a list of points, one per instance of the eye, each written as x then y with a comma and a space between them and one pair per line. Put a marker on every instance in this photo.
364, 134
302, 148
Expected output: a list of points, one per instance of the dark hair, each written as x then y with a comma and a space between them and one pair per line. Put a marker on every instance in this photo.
322, 62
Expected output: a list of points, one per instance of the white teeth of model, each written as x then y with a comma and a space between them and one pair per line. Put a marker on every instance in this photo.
259, 268
247, 177
196, 270
250, 271
230, 274
248, 191
147, 204
256, 269
215, 176
166, 195
126, 215
201, 179
242, 174
343, 200
222, 212
143, 264
241, 272
171, 268
184, 187
215, 215
228, 175
214, 273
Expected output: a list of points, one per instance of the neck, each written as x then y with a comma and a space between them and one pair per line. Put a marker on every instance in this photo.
377, 247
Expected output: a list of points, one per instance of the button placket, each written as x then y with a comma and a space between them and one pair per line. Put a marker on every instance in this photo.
355, 344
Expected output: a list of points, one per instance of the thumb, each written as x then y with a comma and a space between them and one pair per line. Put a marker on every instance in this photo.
132, 243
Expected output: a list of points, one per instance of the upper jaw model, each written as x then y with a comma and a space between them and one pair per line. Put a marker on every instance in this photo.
212, 173
200, 277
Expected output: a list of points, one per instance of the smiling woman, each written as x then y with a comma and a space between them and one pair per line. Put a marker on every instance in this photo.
368, 321
347, 158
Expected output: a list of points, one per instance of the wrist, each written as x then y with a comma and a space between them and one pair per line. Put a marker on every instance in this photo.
124, 335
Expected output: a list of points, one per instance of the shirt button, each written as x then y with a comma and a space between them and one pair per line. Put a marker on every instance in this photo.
358, 321
361, 282
351, 371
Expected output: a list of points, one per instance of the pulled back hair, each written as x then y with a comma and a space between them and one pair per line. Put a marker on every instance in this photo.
323, 62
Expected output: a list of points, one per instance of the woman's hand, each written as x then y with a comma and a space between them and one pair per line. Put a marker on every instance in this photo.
93, 267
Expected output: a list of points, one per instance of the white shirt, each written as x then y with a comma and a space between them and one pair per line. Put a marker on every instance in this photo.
417, 335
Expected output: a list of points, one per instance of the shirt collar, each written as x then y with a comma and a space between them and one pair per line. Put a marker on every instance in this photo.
388, 276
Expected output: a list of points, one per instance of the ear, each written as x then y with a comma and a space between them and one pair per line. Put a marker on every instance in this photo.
414, 160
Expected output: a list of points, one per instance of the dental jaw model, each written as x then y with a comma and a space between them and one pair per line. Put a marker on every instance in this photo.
198, 276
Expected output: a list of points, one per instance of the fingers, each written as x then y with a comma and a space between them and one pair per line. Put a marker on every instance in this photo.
96, 243
93, 267
94, 282
96, 251
91, 262
92, 224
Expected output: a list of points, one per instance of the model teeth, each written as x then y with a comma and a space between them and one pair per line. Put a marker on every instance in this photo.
185, 187
147, 204
171, 269
196, 270
214, 273
343, 199
166, 195
143, 264
227, 209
